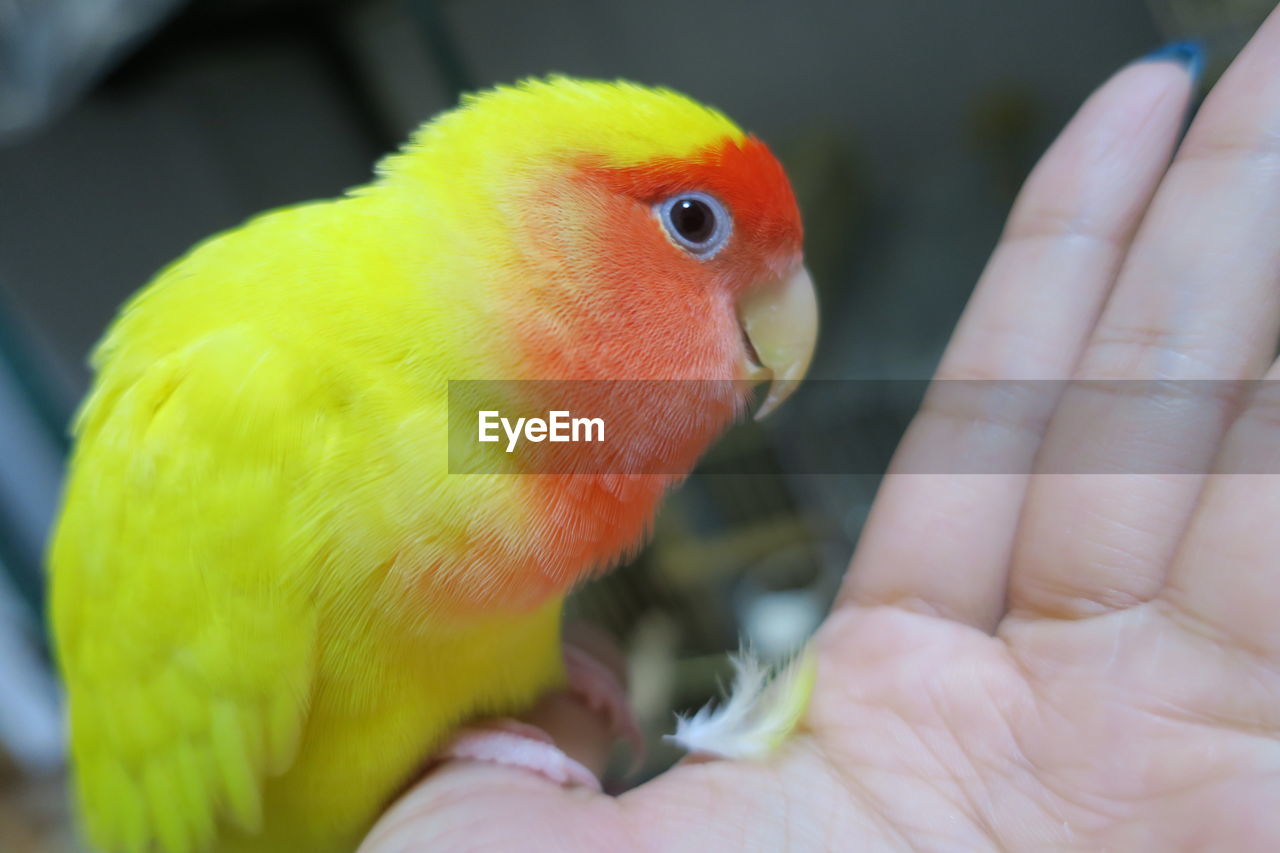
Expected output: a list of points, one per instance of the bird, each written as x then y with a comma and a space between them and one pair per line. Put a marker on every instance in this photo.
274, 594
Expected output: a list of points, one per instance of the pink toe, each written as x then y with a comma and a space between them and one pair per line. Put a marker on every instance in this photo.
516, 744
601, 690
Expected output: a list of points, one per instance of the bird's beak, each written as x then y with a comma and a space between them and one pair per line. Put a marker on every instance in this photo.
780, 322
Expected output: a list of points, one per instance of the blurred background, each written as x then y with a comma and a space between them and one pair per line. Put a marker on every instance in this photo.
129, 129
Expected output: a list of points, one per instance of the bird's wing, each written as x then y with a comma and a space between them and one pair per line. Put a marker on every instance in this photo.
180, 597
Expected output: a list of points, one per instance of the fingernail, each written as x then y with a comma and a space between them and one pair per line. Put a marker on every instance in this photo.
1189, 53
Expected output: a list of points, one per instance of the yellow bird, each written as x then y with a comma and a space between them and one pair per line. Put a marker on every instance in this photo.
271, 600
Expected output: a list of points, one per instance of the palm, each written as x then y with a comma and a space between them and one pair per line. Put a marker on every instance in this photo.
1111, 733
1070, 660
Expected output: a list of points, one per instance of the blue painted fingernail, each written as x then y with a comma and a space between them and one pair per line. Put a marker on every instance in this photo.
1189, 53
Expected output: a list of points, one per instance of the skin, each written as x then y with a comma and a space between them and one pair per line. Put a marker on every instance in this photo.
1072, 662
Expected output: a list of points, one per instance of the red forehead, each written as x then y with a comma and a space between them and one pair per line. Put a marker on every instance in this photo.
744, 175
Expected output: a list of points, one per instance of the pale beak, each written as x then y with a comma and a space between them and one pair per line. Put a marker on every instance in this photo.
780, 320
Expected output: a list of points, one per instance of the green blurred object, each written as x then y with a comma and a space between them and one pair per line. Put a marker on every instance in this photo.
1006, 135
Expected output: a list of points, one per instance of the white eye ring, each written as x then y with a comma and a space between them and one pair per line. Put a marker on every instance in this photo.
696, 222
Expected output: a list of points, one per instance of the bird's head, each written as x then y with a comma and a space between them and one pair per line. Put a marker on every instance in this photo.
621, 231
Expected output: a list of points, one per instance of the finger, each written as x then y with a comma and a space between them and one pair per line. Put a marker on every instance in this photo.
1196, 296
941, 541
1225, 581
1197, 299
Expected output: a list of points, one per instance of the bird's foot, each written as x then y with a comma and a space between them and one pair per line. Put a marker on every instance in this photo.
516, 744
594, 691
598, 687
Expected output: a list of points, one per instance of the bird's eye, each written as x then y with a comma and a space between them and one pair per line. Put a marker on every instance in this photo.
696, 222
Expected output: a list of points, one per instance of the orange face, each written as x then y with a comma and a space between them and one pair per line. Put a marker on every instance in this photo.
612, 290
641, 272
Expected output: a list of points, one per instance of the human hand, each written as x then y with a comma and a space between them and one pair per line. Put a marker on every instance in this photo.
1084, 661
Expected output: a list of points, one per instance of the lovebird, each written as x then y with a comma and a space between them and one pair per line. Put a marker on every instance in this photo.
272, 602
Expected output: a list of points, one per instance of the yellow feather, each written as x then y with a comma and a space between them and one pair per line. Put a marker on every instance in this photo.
761, 710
